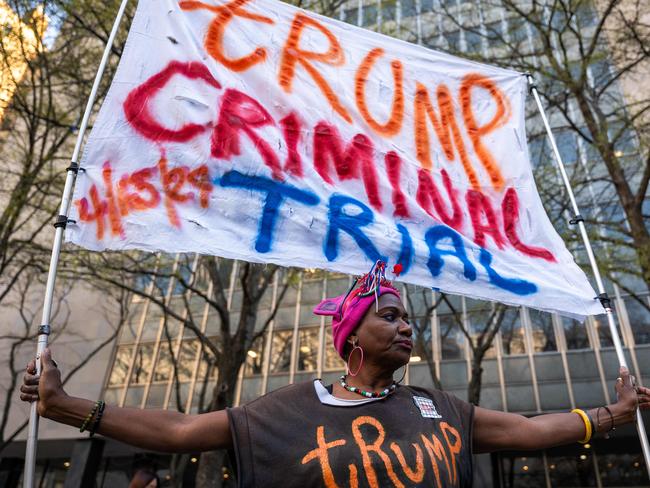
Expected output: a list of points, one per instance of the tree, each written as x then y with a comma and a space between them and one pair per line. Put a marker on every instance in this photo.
480, 336
588, 59
196, 282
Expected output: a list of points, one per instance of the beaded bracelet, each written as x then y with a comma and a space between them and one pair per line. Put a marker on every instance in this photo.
90, 415
98, 419
588, 424
611, 418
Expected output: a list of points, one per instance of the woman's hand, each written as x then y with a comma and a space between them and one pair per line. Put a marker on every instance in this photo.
159, 430
495, 431
629, 398
47, 388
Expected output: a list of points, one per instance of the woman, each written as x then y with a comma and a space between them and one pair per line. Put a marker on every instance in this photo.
365, 430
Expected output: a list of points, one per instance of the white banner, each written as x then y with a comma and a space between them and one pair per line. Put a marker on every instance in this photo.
258, 131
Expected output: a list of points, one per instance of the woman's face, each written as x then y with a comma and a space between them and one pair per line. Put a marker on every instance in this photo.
385, 333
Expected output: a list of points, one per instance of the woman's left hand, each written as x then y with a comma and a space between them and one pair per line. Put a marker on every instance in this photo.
629, 397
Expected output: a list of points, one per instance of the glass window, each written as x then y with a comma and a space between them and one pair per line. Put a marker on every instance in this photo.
388, 10
178, 397
512, 332
255, 357
281, 351
225, 270
517, 31
332, 358
120, 366
575, 334
543, 334
308, 349
600, 72
621, 469
451, 337
163, 369
207, 369
586, 14
639, 316
479, 321
453, 41
351, 15
567, 145
494, 32
474, 40
577, 470
142, 364
602, 328
408, 8
426, 6
187, 359
369, 15
522, 471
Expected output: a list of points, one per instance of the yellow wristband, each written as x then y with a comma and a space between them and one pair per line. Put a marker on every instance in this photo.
585, 419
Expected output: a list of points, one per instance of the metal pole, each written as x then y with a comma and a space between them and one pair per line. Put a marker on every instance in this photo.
61, 221
602, 294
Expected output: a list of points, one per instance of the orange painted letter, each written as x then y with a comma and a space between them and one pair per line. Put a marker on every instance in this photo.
214, 37
436, 453
374, 447
475, 132
443, 126
417, 475
320, 453
454, 448
394, 123
292, 54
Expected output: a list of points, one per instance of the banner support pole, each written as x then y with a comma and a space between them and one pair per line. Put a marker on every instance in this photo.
602, 293
59, 225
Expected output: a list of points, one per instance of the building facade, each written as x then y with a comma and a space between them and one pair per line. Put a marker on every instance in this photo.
539, 362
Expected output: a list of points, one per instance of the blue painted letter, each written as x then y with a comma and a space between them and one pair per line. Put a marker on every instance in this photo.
514, 285
406, 252
276, 193
350, 224
435, 262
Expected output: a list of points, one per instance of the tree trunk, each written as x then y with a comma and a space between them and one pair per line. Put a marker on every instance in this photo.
476, 379
210, 473
177, 468
214, 466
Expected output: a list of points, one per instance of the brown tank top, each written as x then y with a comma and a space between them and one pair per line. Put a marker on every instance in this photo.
414, 437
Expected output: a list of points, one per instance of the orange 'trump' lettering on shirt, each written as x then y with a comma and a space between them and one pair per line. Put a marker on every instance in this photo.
369, 436
320, 453
375, 447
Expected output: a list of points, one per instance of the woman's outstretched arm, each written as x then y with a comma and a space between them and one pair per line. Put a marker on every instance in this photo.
495, 431
158, 430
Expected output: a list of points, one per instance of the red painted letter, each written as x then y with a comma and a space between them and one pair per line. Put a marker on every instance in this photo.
510, 207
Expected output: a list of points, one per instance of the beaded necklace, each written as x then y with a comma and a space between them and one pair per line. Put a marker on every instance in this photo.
367, 394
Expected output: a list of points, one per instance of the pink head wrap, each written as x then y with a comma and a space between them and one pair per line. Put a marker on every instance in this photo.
348, 310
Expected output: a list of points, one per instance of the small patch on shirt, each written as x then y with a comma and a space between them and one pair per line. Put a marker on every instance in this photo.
427, 408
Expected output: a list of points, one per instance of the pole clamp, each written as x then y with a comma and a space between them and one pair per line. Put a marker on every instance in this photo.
576, 218
44, 330
75, 168
532, 85
605, 301
63, 221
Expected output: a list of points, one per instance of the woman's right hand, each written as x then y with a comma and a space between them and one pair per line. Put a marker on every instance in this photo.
46, 389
